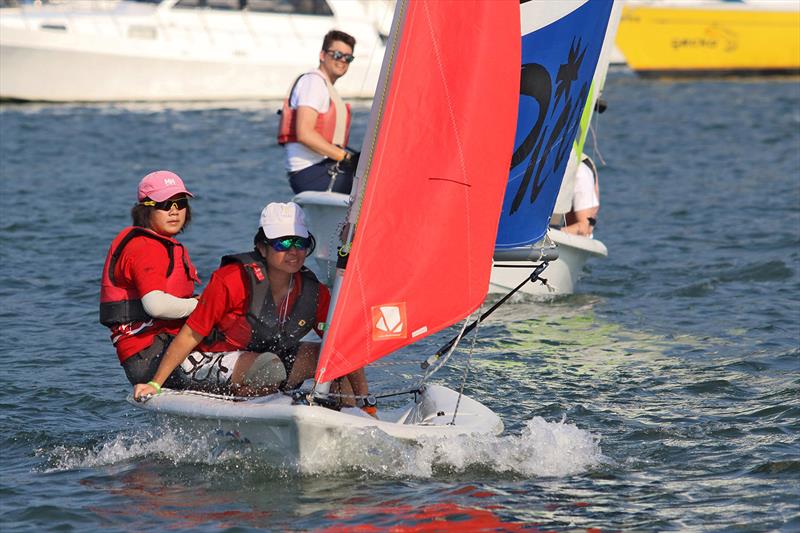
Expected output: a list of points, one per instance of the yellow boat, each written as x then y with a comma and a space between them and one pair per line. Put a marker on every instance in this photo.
711, 38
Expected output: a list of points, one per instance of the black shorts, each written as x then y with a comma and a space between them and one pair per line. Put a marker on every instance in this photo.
141, 367
317, 178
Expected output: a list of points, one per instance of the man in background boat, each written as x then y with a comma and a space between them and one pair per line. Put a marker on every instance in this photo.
254, 313
315, 123
585, 200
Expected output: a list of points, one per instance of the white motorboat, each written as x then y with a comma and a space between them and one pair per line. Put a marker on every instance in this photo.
421, 256
121, 50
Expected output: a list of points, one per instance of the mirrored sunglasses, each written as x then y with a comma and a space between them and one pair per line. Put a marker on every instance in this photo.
285, 244
166, 205
338, 56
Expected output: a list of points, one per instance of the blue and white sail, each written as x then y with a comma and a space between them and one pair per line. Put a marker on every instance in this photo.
561, 44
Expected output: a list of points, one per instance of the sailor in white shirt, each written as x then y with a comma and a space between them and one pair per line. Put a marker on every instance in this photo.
315, 123
585, 200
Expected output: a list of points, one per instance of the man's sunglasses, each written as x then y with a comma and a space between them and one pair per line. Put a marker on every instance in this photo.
285, 244
167, 205
338, 56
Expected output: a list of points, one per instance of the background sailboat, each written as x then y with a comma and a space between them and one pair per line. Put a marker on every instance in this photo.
431, 180
564, 68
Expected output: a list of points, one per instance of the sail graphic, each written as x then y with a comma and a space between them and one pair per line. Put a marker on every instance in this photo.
437, 158
558, 63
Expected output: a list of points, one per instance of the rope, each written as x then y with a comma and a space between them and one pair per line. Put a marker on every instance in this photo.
453, 346
594, 126
204, 394
466, 373
538, 269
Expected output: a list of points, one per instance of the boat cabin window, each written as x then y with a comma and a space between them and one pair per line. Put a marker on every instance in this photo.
228, 5
296, 7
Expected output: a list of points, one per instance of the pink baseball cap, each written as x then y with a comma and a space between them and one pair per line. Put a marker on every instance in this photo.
161, 185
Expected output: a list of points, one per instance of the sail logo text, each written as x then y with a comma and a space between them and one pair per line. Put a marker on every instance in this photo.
389, 321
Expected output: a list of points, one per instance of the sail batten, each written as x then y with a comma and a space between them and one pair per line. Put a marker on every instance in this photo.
430, 202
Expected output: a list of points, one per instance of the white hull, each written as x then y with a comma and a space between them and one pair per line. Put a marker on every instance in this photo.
302, 433
562, 275
116, 51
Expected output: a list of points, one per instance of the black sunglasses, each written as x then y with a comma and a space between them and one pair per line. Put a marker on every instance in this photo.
338, 56
166, 205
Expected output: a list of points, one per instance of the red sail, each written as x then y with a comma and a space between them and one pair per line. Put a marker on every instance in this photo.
439, 153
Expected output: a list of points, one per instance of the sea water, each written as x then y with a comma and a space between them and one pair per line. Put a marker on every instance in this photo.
663, 395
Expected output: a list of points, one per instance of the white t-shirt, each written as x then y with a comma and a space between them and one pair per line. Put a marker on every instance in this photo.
310, 91
585, 196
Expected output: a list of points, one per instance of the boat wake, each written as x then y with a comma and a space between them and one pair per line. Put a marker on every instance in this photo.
541, 449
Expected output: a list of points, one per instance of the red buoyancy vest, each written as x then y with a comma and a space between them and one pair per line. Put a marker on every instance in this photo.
325, 125
121, 308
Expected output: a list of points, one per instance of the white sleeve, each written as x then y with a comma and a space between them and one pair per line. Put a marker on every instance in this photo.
159, 304
311, 91
585, 196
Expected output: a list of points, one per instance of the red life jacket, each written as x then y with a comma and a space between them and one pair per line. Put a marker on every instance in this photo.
260, 329
121, 308
325, 125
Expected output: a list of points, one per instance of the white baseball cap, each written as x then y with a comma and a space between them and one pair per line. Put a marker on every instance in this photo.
283, 220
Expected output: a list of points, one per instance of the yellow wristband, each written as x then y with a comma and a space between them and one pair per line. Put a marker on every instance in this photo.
155, 385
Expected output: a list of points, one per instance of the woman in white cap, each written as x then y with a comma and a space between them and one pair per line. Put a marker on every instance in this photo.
253, 315
148, 279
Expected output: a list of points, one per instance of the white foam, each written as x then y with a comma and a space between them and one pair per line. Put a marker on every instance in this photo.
169, 443
542, 448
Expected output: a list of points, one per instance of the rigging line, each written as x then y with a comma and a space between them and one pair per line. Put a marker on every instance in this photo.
386, 394
433, 370
593, 128
466, 373
533, 277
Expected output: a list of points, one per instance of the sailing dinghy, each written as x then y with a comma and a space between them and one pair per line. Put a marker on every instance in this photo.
423, 221
564, 68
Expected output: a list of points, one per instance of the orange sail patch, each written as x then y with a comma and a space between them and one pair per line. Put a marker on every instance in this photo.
389, 321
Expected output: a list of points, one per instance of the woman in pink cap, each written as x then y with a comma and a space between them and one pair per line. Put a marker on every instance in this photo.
148, 279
